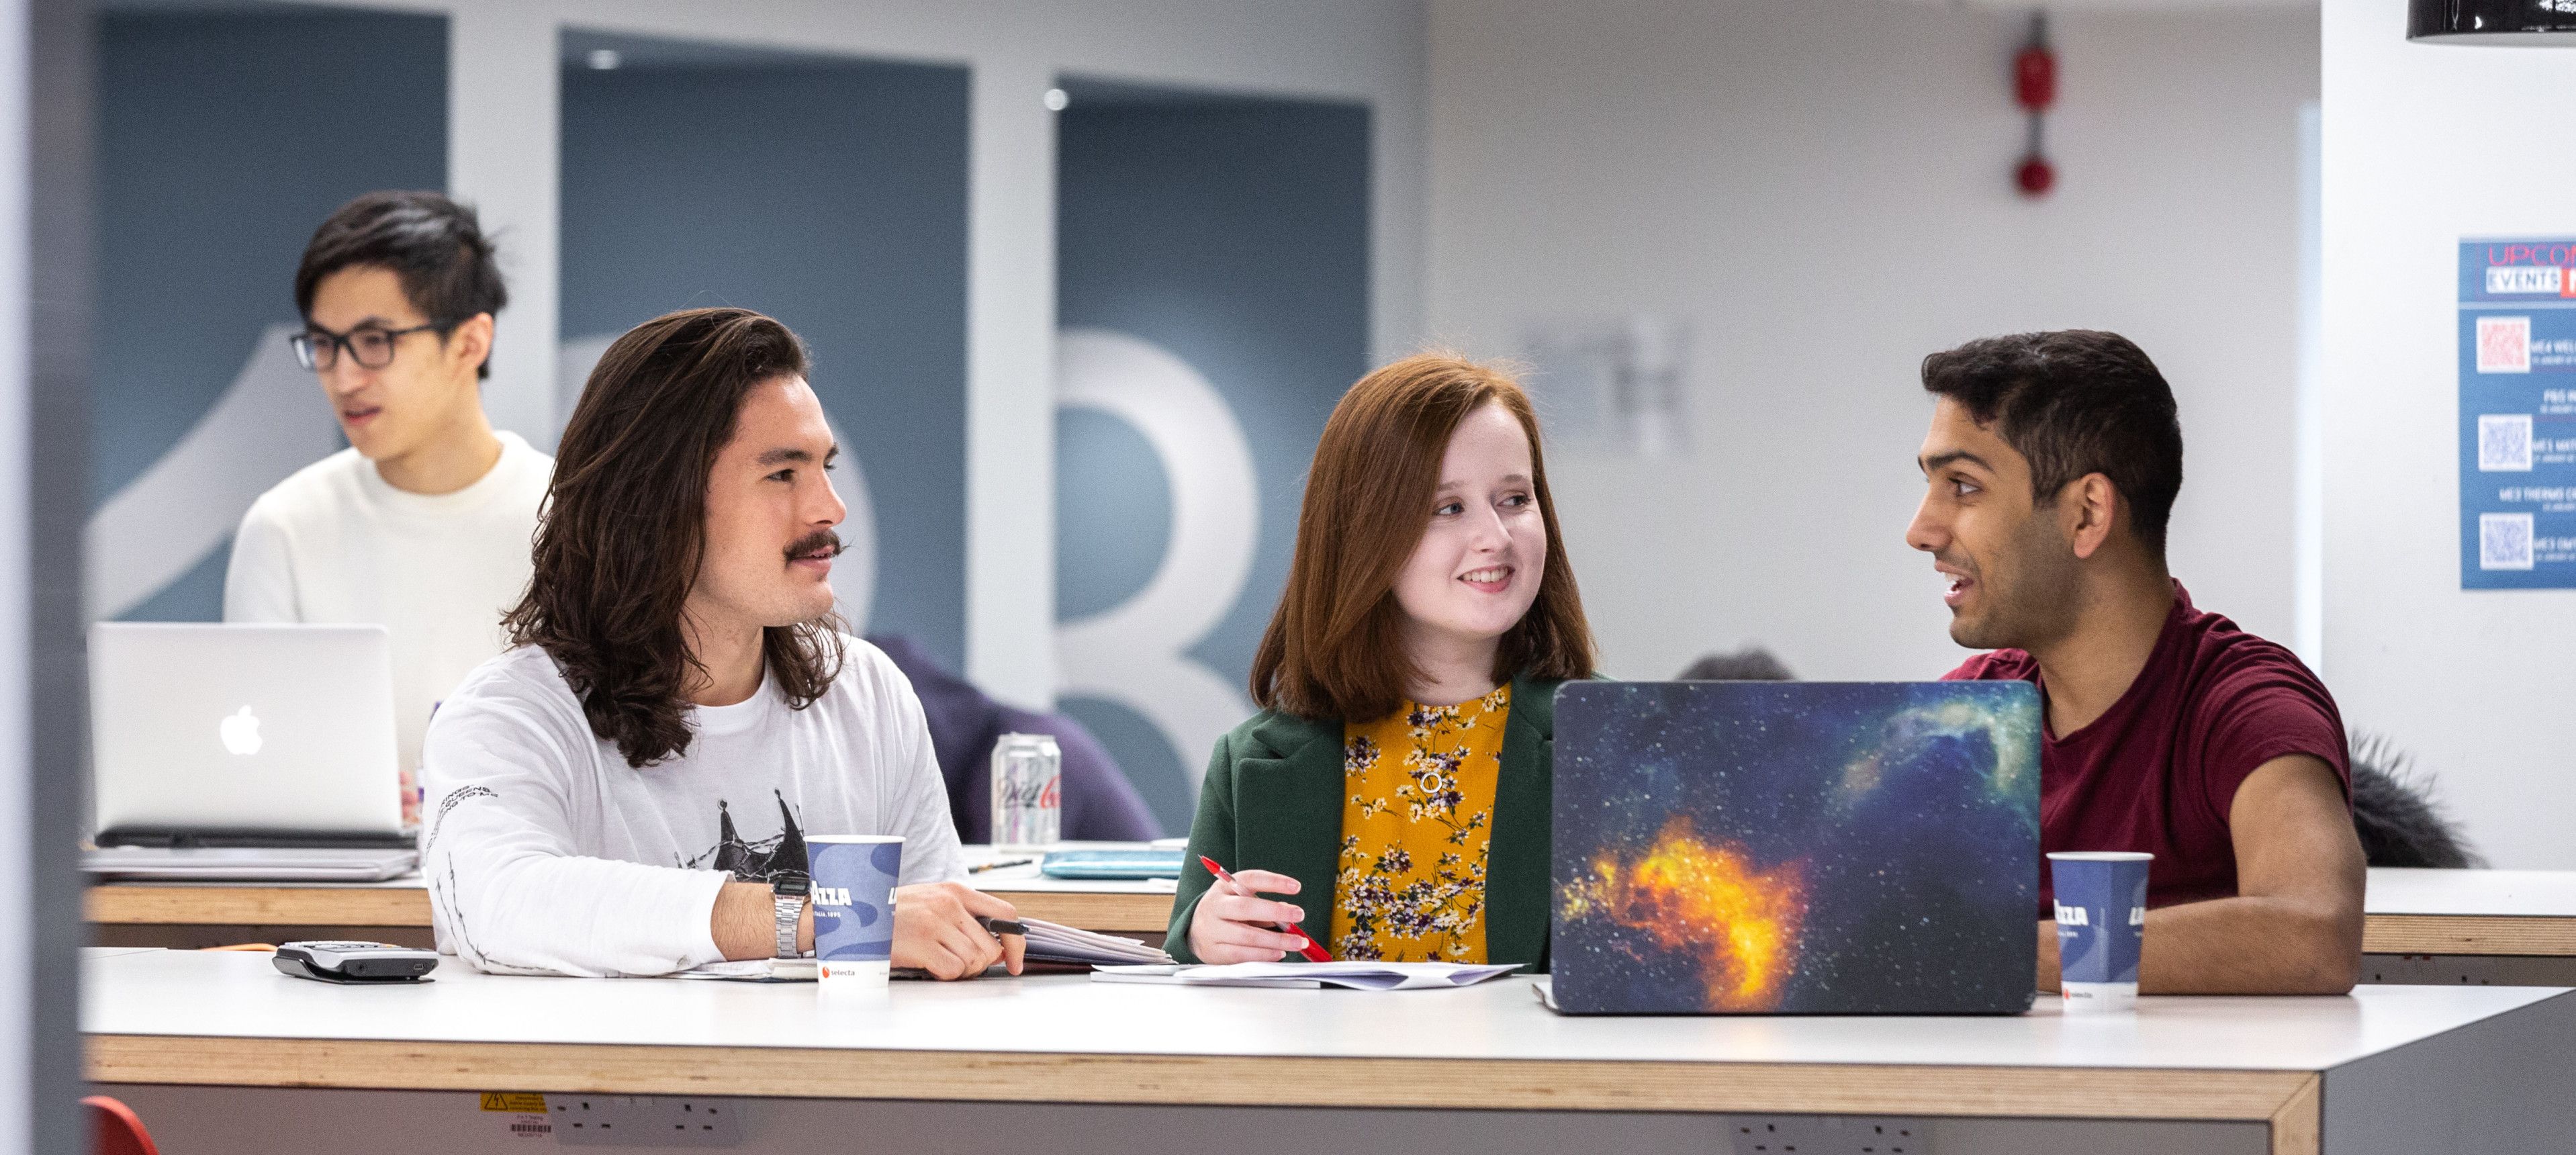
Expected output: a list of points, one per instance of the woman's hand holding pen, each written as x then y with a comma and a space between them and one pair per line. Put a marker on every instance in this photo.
1233, 923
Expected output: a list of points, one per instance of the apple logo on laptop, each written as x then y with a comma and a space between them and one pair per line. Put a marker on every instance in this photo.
240, 732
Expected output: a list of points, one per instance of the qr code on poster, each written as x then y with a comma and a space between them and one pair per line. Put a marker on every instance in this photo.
2504, 344
2504, 541
2504, 442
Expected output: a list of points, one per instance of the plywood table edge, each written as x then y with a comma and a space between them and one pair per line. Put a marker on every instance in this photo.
1479, 1084
144, 904
2298, 1127
2468, 934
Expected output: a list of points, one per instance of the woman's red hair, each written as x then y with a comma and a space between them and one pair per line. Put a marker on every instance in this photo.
1334, 648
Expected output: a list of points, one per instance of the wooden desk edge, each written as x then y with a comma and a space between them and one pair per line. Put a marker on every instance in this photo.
146, 904
2463, 934
1123, 913
2286, 1100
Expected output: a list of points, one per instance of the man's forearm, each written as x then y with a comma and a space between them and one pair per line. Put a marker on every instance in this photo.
745, 922
2257, 945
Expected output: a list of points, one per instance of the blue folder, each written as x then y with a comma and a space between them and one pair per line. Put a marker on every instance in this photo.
1112, 864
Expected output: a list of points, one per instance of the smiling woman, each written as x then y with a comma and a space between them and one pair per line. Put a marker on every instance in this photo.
1400, 769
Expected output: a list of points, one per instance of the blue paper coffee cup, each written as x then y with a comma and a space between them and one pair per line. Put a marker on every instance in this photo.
2101, 925
854, 879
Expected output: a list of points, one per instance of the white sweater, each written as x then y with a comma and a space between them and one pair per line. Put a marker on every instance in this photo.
335, 543
547, 854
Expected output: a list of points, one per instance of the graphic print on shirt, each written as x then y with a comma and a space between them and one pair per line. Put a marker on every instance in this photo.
762, 861
443, 884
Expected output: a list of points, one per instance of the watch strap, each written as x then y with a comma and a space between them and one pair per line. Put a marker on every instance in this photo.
789, 905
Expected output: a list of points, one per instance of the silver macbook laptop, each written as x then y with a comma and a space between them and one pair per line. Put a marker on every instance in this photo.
205, 734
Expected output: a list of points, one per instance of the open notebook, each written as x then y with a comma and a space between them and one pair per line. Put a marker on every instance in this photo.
1048, 942
1358, 976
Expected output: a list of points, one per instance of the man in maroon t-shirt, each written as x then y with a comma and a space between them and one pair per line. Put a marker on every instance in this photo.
2053, 462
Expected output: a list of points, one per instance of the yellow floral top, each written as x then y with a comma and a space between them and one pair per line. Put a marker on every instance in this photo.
1415, 827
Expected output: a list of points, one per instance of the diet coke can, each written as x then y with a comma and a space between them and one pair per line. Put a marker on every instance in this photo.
1028, 796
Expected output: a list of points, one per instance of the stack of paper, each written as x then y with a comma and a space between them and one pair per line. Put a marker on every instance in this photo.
1056, 942
1361, 976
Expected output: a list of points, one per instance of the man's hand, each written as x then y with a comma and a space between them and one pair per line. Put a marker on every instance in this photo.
935, 930
1233, 923
2294, 927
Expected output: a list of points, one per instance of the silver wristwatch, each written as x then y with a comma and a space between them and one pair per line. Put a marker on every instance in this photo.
787, 894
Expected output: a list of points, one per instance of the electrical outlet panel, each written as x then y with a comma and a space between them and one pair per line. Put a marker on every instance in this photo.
1828, 1135
645, 1121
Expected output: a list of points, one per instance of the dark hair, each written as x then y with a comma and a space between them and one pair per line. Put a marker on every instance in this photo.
1333, 649
433, 245
1750, 664
625, 528
2074, 402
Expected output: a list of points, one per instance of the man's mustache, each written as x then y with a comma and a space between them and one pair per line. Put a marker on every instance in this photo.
821, 541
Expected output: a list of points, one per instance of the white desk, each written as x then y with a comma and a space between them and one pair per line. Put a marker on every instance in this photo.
2388, 1069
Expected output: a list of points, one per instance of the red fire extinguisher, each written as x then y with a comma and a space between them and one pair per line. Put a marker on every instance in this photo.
2035, 89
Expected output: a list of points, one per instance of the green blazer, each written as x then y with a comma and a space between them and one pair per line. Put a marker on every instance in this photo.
1273, 801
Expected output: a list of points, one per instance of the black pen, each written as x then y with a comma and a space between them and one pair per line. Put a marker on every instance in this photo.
1002, 926
999, 865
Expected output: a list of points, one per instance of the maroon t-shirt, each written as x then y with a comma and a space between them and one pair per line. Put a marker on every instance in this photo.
2158, 772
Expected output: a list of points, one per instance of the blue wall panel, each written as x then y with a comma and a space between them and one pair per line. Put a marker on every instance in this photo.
1232, 233
224, 138
831, 195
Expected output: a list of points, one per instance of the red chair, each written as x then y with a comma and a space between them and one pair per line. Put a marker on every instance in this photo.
113, 1129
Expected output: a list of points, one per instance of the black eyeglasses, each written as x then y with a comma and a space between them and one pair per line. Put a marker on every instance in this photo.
317, 348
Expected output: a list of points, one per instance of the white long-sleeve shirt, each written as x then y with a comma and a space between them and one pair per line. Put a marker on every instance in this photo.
547, 854
335, 542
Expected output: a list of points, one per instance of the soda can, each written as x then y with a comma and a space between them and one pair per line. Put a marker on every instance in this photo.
1028, 790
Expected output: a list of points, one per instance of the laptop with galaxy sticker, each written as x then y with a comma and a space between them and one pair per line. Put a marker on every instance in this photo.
1796, 848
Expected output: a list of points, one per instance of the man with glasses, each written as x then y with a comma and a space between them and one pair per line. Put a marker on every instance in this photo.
422, 525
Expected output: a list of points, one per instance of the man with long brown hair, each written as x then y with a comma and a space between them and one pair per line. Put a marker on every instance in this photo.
629, 788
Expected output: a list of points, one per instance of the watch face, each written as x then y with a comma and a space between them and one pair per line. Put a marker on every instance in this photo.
791, 886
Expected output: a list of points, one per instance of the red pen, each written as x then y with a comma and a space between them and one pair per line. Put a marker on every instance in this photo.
1313, 952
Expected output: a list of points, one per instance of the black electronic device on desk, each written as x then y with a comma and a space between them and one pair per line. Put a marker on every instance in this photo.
357, 963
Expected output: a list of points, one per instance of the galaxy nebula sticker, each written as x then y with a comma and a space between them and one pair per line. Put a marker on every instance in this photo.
1796, 848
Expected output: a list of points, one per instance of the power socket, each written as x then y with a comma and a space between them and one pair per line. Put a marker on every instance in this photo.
1829, 1135
645, 1121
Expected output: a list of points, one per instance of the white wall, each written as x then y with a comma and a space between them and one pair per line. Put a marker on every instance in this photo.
2424, 145
504, 157
1823, 190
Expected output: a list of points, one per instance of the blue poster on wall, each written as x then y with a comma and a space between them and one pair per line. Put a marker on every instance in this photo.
2518, 414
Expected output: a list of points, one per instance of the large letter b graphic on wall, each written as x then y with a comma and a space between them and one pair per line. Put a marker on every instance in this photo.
1136, 653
